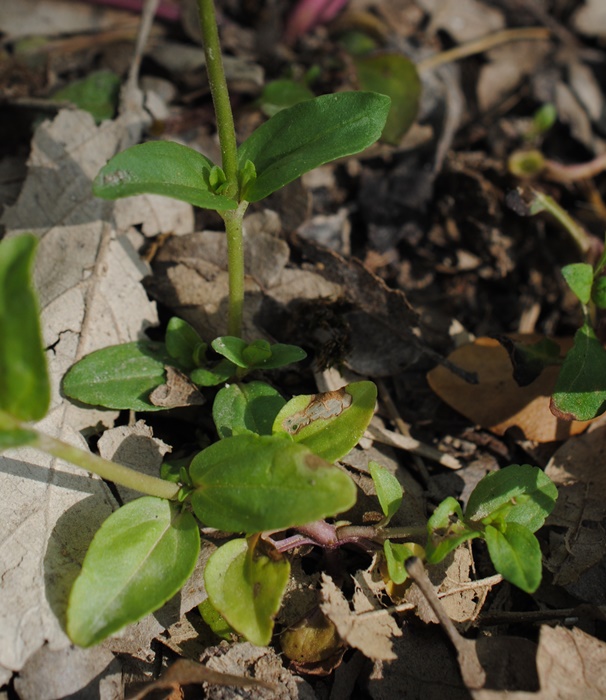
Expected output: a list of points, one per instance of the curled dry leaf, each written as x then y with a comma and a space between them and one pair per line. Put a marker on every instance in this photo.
496, 402
370, 633
178, 391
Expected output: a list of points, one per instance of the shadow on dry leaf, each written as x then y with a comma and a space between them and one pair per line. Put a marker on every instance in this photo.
496, 402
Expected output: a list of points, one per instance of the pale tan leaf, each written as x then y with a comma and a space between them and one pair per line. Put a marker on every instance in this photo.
496, 402
370, 633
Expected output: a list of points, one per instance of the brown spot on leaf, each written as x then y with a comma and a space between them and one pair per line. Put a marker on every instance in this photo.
321, 407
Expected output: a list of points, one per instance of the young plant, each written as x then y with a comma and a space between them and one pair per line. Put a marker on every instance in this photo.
270, 471
580, 390
272, 466
504, 509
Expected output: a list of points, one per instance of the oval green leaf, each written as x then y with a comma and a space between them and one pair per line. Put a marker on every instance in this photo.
394, 75
250, 407
580, 390
141, 557
309, 134
250, 483
184, 344
598, 291
516, 555
217, 623
120, 376
330, 424
518, 493
389, 490
24, 385
160, 167
257, 355
212, 375
579, 277
246, 588
232, 348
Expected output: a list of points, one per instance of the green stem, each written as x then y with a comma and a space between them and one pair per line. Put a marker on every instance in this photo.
543, 202
220, 95
229, 161
119, 474
235, 266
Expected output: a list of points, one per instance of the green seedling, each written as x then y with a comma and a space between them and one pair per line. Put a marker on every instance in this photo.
504, 509
271, 470
580, 390
272, 467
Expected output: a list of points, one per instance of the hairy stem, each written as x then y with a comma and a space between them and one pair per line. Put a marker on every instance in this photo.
111, 471
220, 95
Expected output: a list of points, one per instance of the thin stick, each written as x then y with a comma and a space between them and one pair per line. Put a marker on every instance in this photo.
485, 43
473, 674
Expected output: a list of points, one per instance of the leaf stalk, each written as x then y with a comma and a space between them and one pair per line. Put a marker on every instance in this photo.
110, 471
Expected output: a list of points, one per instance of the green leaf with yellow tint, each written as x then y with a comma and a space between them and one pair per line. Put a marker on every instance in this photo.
246, 588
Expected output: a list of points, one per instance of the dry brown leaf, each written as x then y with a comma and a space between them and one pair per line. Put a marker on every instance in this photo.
370, 633
508, 65
83, 274
178, 391
497, 402
54, 17
578, 470
191, 277
460, 597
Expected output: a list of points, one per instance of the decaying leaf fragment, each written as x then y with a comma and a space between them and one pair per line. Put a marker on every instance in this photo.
370, 633
178, 391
